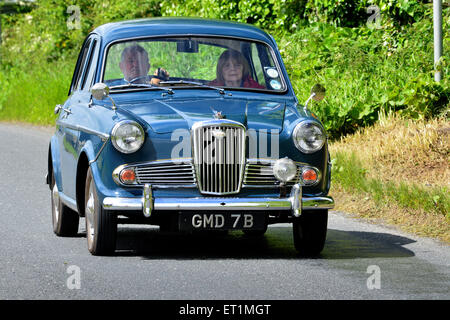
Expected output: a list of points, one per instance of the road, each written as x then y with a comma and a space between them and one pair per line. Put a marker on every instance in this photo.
360, 260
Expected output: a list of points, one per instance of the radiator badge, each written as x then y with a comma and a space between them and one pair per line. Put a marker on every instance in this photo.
218, 134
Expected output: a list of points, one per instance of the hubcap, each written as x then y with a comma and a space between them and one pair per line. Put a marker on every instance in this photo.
90, 216
55, 199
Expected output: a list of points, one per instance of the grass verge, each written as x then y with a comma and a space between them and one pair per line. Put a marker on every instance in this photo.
31, 95
398, 172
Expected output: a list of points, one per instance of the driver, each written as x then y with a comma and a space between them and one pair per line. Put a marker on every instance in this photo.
135, 65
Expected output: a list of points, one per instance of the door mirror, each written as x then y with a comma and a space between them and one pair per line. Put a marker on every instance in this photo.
100, 91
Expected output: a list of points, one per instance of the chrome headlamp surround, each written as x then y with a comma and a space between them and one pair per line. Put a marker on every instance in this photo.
309, 136
134, 139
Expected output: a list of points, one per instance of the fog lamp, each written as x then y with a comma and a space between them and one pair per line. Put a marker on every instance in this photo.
284, 169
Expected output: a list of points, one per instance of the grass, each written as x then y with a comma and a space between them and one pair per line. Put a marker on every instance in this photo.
400, 170
31, 95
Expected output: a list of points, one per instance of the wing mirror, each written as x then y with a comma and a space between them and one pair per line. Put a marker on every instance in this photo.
317, 94
100, 91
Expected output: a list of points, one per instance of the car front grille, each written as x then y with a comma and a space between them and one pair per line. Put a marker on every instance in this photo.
219, 156
259, 174
165, 173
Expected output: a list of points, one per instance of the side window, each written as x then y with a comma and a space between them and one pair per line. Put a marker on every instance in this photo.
89, 72
80, 65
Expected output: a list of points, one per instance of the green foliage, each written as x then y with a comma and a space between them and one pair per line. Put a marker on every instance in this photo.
266, 14
349, 13
288, 14
49, 32
354, 13
32, 95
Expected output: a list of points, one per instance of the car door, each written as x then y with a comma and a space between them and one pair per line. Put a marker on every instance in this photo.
72, 116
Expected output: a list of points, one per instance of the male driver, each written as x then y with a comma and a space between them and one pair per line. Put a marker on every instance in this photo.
135, 65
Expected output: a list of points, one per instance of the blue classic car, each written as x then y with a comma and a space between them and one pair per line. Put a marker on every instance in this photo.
187, 124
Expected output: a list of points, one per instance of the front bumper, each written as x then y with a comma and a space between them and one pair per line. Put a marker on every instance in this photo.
147, 204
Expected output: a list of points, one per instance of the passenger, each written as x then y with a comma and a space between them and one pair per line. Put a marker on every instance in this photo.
233, 70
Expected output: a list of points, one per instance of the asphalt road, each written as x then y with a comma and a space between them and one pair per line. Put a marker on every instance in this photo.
360, 260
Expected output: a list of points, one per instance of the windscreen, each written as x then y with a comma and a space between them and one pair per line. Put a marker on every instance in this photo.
183, 61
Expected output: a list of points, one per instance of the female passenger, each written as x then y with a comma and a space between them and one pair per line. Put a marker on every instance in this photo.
233, 71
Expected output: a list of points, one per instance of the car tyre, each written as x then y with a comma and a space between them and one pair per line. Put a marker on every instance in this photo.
65, 221
310, 232
101, 226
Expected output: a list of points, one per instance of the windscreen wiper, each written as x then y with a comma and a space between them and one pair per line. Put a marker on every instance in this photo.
141, 85
197, 84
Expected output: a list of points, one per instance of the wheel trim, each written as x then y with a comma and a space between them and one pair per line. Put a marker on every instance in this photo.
90, 212
55, 201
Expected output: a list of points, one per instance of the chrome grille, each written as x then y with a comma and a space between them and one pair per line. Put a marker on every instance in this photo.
260, 175
166, 173
219, 156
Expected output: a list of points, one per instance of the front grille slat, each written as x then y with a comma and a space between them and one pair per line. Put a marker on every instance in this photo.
172, 168
218, 149
165, 173
172, 174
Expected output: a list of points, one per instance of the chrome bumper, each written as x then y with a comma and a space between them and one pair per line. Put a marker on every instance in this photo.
295, 202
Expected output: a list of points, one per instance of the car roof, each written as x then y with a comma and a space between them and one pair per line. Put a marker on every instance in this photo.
171, 26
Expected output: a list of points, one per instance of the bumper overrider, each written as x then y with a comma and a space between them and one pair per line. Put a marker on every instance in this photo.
294, 203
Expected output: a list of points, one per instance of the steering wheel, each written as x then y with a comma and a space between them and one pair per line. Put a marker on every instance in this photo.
138, 78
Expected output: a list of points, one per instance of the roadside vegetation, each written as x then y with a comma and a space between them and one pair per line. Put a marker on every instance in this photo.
387, 118
397, 171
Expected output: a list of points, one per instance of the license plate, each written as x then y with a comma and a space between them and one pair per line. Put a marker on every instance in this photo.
221, 221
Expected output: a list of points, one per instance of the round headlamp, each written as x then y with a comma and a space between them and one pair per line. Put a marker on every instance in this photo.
127, 136
284, 170
309, 136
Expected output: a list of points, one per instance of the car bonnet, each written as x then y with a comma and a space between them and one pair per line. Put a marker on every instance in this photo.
164, 116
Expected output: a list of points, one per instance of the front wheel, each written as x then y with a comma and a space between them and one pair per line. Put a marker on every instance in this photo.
310, 232
101, 226
65, 221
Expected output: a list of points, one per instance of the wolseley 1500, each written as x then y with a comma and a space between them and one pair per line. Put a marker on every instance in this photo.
186, 124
